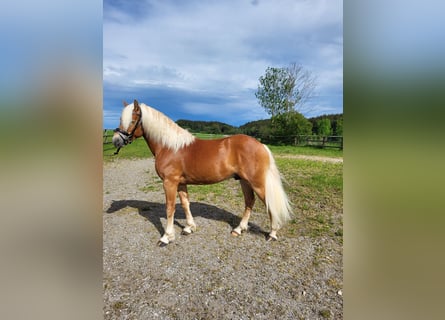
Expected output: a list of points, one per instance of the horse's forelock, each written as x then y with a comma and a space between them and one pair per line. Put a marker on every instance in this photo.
126, 116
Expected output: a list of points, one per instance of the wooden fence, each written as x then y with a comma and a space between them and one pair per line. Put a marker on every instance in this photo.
321, 142
299, 140
314, 141
107, 136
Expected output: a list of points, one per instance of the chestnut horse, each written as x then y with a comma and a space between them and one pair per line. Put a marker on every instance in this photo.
182, 159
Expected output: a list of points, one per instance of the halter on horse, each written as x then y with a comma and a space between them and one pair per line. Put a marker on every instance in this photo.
182, 159
125, 137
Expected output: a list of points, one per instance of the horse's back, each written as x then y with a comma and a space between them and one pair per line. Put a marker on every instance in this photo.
230, 144
215, 160
246, 145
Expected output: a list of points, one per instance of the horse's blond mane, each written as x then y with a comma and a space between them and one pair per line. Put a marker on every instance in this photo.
163, 130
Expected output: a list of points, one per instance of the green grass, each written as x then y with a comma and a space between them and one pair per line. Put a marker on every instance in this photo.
208, 136
325, 313
227, 192
137, 149
316, 190
307, 151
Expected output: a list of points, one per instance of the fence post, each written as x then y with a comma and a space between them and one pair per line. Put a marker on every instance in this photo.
104, 135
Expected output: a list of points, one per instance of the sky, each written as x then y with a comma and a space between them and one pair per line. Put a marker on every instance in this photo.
202, 60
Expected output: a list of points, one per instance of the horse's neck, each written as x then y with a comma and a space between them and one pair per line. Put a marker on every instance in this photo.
153, 146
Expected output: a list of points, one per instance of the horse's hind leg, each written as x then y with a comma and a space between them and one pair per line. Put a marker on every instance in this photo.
260, 190
249, 200
183, 196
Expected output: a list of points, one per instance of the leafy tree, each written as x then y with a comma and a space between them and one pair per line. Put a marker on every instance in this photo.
282, 90
339, 127
260, 129
336, 123
324, 127
292, 123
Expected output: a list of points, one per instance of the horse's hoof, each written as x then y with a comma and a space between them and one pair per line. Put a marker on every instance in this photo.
235, 233
270, 238
162, 244
185, 233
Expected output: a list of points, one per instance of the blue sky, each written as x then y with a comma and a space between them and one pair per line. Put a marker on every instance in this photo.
201, 60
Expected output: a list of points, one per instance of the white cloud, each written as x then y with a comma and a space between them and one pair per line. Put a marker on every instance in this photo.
221, 47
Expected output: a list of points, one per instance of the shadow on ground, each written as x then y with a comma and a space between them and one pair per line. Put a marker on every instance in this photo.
153, 212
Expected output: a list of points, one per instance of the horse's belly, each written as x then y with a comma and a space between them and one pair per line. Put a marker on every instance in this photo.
208, 177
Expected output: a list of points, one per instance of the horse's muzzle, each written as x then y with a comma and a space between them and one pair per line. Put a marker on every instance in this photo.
118, 141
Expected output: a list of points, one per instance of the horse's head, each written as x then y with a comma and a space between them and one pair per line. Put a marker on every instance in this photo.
130, 126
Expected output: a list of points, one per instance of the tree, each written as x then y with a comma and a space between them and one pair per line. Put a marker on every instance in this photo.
293, 123
324, 127
282, 90
339, 127
290, 125
336, 123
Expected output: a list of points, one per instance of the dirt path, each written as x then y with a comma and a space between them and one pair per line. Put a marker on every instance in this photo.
209, 274
312, 158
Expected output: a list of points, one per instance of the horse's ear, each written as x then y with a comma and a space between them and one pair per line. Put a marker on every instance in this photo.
136, 105
125, 103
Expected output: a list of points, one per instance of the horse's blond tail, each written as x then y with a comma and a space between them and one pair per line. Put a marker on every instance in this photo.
276, 200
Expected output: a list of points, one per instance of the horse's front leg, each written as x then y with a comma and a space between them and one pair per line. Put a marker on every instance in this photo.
170, 189
185, 202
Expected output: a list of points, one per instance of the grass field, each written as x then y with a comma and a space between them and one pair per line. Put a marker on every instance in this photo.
315, 188
307, 151
139, 149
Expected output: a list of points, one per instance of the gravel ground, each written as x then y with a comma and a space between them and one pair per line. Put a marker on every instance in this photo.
209, 274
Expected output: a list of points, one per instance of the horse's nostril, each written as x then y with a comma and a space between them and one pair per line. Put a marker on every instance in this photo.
118, 141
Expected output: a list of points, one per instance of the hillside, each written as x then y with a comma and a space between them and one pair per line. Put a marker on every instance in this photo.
258, 128
214, 127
